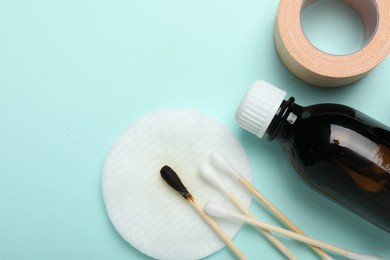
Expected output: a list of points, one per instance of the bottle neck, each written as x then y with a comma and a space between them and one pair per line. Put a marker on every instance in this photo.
286, 115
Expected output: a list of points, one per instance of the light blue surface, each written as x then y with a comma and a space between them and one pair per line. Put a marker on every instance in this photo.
75, 74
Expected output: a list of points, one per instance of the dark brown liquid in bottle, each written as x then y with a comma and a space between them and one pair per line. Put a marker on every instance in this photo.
342, 153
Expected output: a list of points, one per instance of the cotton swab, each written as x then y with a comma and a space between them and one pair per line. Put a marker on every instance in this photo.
220, 162
170, 176
220, 211
211, 176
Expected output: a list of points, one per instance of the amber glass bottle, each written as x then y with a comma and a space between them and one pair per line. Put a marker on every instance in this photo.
337, 150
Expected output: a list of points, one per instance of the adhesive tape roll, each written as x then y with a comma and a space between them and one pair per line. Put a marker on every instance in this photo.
328, 70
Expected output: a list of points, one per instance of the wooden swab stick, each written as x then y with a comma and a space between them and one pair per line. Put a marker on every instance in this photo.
174, 181
224, 165
210, 175
220, 211
218, 230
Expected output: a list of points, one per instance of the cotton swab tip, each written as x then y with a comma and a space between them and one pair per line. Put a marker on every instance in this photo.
220, 211
173, 180
222, 163
209, 174
357, 256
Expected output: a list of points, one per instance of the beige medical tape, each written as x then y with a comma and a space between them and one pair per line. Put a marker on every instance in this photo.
327, 70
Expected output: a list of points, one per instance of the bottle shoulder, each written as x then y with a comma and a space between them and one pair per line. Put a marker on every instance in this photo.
331, 112
318, 122
335, 114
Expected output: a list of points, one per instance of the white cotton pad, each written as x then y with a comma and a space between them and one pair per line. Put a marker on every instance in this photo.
147, 212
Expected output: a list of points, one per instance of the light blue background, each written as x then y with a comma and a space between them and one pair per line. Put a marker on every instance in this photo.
74, 74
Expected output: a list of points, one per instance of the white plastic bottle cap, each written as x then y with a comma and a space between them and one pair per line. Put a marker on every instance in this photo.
259, 106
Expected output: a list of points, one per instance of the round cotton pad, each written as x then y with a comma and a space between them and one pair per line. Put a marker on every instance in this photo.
148, 213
